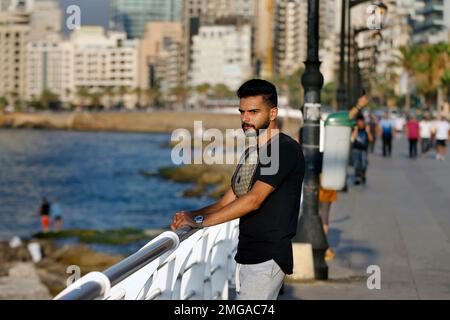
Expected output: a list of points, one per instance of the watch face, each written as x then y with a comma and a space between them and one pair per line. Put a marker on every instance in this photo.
198, 219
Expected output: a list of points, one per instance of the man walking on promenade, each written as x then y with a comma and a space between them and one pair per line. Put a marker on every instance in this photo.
425, 134
267, 203
361, 138
387, 132
442, 127
413, 133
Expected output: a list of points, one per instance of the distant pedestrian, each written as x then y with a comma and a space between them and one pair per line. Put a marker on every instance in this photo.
326, 199
386, 132
413, 134
399, 124
361, 137
442, 127
57, 215
45, 215
425, 134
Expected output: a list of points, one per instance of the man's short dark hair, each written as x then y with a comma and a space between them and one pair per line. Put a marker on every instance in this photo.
259, 87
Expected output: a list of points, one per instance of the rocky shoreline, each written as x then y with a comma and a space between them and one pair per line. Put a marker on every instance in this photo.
163, 122
21, 278
154, 122
210, 180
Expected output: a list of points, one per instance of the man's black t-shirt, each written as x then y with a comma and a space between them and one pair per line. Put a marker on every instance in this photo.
266, 233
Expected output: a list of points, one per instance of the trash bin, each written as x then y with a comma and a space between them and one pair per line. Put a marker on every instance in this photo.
338, 129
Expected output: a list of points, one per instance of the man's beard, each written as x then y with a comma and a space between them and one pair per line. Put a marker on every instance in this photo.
256, 132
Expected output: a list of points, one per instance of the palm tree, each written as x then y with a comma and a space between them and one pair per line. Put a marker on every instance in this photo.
68, 93
83, 94
152, 95
383, 88
12, 98
295, 91
95, 99
282, 84
446, 85
3, 103
108, 91
406, 61
328, 94
123, 91
290, 87
181, 94
138, 92
203, 91
222, 91
441, 64
430, 67
48, 97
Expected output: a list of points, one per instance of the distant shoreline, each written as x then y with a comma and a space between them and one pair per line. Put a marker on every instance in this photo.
151, 122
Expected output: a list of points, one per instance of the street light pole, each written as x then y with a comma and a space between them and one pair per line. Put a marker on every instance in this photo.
341, 87
344, 95
310, 228
349, 57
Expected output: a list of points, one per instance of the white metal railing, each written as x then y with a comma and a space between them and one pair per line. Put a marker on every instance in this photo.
188, 264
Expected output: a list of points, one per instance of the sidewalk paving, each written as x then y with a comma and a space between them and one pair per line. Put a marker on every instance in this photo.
400, 222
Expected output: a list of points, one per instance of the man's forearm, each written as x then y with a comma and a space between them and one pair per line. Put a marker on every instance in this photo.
227, 198
234, 210
207, 210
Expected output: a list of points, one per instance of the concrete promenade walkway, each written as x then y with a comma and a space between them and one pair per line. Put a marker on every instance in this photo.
400, 222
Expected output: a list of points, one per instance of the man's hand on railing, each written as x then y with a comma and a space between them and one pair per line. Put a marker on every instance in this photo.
183, 218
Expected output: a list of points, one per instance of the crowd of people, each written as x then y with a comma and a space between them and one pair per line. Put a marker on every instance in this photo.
422, 131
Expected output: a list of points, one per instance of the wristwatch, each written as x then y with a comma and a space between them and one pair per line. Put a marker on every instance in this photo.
199, 221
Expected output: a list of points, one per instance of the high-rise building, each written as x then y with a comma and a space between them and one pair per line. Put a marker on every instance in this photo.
329, 31
161, 56
50, 66
432, 21
263, 38
198, 13
131, 16
17, 5
221, 55
20, 22
290, 36
91, 59
46, 18
14, 33
104, 60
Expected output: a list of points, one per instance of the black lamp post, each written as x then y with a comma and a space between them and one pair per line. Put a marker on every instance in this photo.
310, 228
354, 87
343, 93
341, 101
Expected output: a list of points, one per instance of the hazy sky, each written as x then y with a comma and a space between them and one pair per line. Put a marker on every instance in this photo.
93, 12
